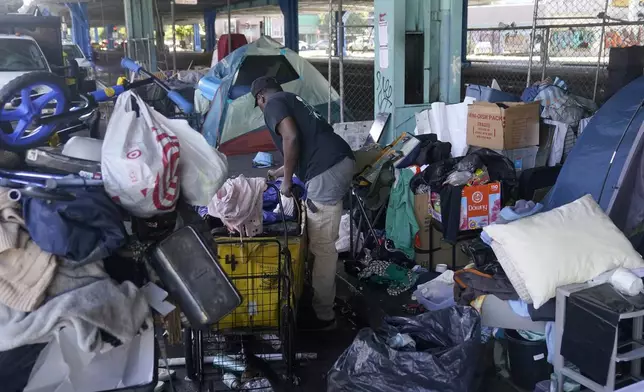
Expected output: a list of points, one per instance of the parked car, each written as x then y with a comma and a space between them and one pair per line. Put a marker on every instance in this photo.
73, 51
19, 55
304, 45
361, 44
322, 45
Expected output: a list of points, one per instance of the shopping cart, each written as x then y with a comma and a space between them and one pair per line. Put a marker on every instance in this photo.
269, 273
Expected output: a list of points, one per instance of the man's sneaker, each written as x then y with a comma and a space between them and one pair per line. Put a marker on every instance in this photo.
315, 324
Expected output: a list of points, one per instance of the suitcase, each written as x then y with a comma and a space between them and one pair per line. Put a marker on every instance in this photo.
186, 263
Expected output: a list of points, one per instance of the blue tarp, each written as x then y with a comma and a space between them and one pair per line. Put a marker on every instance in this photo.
224, 71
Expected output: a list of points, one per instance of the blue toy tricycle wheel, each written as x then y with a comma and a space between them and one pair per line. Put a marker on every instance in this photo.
23, 101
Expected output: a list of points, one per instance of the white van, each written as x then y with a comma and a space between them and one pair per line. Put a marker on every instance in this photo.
19, 55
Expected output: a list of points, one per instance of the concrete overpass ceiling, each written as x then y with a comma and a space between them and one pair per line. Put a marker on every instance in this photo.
103, 12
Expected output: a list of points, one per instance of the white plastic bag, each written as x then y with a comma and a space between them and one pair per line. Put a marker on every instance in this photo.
203, 169
448, 122
140, 159
63, 367
343, 244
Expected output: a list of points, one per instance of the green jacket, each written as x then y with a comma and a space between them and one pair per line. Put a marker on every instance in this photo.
401, 222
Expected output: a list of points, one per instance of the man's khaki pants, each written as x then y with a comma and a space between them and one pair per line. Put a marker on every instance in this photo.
323, 232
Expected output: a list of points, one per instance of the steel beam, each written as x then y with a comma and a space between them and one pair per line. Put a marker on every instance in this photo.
139, 22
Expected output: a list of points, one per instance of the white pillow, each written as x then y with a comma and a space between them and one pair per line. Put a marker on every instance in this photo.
570, 244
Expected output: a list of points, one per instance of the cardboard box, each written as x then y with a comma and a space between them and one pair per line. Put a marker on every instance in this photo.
503, 126
422, 211
480, 206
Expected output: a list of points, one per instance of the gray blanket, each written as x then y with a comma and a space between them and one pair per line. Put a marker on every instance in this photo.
81, 298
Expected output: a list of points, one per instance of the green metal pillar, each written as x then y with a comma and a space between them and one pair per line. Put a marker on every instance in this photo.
434, 28
139, 22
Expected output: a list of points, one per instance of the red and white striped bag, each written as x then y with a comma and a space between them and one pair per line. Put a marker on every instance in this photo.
140, 159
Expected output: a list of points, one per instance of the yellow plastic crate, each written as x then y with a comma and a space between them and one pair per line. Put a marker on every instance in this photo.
252, 265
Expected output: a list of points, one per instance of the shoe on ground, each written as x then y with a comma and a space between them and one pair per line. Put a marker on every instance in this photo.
313, 324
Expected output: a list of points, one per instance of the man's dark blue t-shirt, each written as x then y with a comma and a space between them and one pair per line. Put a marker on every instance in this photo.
320, 147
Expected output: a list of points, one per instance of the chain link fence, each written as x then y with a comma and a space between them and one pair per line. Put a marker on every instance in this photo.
572, 40
358, 59
349, 56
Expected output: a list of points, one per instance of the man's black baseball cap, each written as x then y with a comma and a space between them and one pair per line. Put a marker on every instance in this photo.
263, 83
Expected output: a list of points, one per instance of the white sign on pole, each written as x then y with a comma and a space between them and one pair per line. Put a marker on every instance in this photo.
186, 2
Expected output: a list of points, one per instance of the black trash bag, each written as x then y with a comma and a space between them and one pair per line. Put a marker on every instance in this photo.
431, 150
445, 358
501, 169
498, 166
435, 175
469, 163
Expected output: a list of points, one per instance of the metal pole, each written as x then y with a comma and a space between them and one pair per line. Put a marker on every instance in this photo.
545, 48
341, 58
230, 39
174, 38
601, 50
149, 53
329, 74
532, 40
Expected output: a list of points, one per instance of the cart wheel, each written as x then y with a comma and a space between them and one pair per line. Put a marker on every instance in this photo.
20, 110
191, 372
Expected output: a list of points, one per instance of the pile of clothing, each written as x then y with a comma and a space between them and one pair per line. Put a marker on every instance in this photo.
246, 206
52, 276
401, 223
558, 103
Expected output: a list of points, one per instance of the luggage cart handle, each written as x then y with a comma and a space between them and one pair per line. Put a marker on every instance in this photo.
174, 96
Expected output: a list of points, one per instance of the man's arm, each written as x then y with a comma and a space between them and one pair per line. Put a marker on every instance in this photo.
277, 172
290, 143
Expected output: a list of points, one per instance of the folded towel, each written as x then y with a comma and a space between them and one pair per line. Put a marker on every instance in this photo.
25, 269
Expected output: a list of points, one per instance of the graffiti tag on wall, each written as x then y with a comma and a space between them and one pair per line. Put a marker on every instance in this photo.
384, 91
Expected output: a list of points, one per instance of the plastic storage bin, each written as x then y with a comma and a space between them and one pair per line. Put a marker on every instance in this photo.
439, 295
527, 360
488, 94
523, 158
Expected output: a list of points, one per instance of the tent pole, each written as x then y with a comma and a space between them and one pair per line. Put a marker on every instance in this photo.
174, 38
230, 39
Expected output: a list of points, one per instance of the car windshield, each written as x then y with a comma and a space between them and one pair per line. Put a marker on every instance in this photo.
20, 55
73, 51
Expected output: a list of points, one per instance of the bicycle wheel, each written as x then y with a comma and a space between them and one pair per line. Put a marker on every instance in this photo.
23, 101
